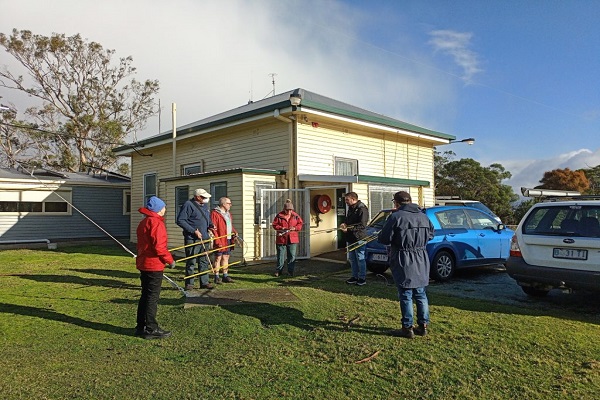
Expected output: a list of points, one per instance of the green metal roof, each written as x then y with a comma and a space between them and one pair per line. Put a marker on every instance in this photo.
282, 101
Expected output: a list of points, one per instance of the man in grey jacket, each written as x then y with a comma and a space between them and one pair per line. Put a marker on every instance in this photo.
407, 231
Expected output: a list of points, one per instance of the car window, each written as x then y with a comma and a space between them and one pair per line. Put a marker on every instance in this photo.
452, 219
480, 220
571, 220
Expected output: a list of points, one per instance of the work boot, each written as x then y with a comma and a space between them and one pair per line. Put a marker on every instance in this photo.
156, 334
207, 286
189, 287
404, 332
420, 330
218, 280
227, 279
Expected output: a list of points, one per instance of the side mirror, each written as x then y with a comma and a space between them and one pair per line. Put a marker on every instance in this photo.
501, 227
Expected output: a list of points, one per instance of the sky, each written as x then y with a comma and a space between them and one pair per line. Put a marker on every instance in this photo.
521, 77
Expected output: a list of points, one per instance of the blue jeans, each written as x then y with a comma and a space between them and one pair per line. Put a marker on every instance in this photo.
357, 261
202, 261
406, 306
290, 251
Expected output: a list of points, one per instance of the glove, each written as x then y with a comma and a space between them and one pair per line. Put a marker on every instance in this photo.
172, 265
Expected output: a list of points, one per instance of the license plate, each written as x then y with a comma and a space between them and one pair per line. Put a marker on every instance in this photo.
571, 254
379, 257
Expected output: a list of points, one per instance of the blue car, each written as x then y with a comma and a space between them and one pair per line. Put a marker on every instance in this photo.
464, 237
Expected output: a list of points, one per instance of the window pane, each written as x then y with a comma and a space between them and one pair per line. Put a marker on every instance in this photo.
217, 190
181, 196
30, 206
9, 206
52, 206
149, 186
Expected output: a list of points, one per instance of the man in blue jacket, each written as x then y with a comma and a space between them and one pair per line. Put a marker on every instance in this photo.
407, 231
194, 219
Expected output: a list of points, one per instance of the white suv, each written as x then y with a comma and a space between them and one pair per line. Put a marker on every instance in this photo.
557, 245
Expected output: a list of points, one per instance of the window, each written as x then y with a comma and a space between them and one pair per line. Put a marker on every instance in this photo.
346, 166
182, 194
36, 201
480, 220
258, 187
381, 197
126, 202
190, 169
217, 190
149, 186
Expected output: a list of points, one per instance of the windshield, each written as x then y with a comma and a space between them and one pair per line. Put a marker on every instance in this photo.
567, 220
379, 219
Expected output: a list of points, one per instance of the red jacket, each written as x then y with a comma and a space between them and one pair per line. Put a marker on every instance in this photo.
282, 225
152, 252
221, 229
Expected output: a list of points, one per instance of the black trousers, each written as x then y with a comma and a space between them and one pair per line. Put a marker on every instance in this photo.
148, 305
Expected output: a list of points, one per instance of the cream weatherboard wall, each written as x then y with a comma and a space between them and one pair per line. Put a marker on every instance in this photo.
379, 154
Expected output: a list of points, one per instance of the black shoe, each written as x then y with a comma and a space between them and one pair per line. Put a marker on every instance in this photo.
291, 273
352, 281
139, 331
156, 334
207, 286
361, 282
420, 330
404, 332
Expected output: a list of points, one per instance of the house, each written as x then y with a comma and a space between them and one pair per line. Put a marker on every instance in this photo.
41, 205
298, 145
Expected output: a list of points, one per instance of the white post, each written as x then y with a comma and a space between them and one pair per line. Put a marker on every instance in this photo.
174, 114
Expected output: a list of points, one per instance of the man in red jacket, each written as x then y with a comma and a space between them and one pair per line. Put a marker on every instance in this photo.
287, 223
224, 236
152, 255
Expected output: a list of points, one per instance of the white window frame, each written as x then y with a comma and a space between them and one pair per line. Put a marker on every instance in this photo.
353, 166
185, 168
126, 201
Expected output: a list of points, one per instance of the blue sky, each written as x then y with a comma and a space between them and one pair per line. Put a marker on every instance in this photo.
519, 76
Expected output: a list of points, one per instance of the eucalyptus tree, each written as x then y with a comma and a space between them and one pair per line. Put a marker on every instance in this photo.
86, 103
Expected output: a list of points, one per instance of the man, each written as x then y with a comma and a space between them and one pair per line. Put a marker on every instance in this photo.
152, 255
407, 231
225, 235
355, 229
194, 219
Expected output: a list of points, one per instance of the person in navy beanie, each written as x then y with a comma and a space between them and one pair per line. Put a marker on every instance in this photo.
152, 255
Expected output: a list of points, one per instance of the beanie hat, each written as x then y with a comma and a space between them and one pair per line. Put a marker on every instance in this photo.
288, 205
155, 204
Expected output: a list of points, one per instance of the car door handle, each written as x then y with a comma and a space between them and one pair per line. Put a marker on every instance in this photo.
482, 234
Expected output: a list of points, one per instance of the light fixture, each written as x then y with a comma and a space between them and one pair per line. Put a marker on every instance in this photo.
295, 99
4, 108
468, 141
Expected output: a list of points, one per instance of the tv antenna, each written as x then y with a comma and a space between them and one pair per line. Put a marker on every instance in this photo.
273, 75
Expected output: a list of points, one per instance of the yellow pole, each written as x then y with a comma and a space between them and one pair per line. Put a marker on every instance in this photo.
204, 253
197, 243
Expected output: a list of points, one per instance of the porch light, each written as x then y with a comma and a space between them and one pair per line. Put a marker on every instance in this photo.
295, 99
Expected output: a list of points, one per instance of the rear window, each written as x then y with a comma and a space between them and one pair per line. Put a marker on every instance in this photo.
379, 220
567, 220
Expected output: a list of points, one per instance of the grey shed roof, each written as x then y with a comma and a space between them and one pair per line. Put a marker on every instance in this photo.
71, 178
309, 100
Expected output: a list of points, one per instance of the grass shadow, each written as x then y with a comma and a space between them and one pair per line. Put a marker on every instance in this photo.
76, 280
60, 317
272, 314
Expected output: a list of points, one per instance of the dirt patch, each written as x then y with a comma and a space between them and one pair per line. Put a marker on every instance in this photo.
239, 296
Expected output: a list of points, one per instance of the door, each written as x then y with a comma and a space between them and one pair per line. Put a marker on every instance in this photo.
272, 201
490, 240
340, 209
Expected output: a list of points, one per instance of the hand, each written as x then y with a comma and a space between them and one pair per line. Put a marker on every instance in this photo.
172, 265
198, 234
293, 228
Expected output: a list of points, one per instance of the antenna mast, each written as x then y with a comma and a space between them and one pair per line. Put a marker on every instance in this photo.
272, 75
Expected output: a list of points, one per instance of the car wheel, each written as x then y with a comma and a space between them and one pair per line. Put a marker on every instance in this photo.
535, 292
377, 268
443, 266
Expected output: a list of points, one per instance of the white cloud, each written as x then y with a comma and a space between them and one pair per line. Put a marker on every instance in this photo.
456, 44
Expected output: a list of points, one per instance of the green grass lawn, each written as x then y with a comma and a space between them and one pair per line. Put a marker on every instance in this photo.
67, 319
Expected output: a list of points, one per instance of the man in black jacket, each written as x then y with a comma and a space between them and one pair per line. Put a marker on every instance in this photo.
407, 231
355, 228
